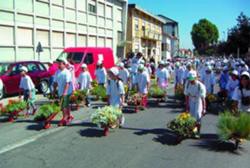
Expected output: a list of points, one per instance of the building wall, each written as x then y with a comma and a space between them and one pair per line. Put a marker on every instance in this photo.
141, 40
166, 47
58, 24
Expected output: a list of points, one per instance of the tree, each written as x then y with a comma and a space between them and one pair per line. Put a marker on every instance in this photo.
204, 35
239, 35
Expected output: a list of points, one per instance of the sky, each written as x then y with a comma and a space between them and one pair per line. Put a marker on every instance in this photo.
222, 13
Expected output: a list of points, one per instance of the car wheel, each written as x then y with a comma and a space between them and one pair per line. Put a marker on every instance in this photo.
43, 87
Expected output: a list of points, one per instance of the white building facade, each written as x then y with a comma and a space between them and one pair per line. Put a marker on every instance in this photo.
57, 24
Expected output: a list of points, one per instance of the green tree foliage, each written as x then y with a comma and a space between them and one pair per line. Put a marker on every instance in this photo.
204, 35
238, 38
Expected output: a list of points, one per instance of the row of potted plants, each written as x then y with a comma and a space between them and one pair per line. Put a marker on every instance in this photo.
13, 108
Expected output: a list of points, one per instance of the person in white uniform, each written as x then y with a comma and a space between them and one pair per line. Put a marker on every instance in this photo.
115, 88
142, 81
101, 74
123, 74
63, 81
209, 80
242, 93
195, 93
162, 76
232, 83
84, 81
28, 89
179, 74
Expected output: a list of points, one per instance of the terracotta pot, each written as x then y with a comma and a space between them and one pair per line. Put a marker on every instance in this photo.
106, 131
11, 118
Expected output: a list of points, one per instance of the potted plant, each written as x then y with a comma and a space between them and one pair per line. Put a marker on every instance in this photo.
46, 114
77, 98
184, 125
235, 128
100, 93
13, 108
107, 117
179, 92
156, 92
135, 101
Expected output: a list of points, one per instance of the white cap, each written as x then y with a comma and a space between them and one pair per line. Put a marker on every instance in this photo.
192, 75
209, 68
84, 66
62, 59
245, 73
234, 72
114, 71
142, 61
99, 62
121, 64
140, 67
24, 68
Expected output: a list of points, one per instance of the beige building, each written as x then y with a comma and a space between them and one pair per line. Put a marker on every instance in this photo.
144, 32
57, 24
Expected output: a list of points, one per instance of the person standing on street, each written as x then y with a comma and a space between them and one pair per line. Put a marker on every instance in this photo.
101, 74
195, 93
142, 81
232, 83
84, 81
63, 81
29, 91
209, 80
242, 93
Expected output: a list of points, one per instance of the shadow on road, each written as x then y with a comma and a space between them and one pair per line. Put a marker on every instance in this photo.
211, 142
91, 133
163, 136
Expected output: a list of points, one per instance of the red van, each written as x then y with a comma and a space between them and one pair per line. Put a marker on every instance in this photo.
89, 56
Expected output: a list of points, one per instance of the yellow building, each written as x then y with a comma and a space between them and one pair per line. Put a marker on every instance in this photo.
144, 33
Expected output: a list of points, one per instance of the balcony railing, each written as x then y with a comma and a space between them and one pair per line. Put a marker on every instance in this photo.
148, 34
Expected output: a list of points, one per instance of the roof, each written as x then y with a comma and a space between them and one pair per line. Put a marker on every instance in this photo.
167, 19
146, 12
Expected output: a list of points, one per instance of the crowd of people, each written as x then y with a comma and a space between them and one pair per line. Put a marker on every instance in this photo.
228, 78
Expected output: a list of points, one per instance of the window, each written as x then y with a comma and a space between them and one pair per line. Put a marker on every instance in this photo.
92, 8
89, 59
32, 67
109, 13
119, 36
75, 57
41, 67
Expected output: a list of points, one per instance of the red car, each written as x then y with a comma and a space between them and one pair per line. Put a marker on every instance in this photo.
10, 76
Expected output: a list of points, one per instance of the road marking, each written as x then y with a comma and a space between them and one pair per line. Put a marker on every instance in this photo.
29, 140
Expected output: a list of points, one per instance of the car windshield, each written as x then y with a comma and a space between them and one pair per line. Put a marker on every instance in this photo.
3, 68
75, 57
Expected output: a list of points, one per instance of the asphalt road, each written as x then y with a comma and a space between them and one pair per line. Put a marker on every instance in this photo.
143, 142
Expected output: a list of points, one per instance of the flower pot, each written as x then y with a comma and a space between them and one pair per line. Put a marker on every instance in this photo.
11, 118
106, 131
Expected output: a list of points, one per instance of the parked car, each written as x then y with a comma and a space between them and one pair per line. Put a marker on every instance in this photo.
10, 76
89, 56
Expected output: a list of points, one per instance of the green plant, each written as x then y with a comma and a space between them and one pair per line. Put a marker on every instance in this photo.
106, 116
234, 127
99, 92
184, 125
15, 106
78, 96
45, 111
156, 91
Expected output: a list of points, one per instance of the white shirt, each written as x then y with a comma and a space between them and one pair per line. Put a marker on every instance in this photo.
124, 75
135, 64
62, 78
142, 79
162, 76
231, 85
101, 75
26, 83
115, 89
209, 81
179, 74
237, 95
85, 80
